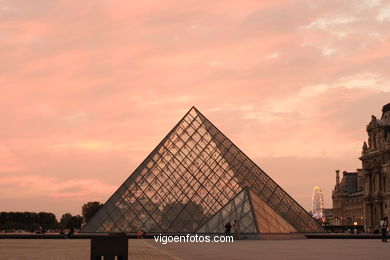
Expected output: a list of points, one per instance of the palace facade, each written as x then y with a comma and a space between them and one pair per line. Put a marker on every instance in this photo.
364, 196
376, 170
347, 199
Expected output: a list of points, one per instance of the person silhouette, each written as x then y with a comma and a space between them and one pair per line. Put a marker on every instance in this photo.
228, 227
383, 225
236, 229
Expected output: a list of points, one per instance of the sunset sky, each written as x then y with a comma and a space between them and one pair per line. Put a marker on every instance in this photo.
89, 88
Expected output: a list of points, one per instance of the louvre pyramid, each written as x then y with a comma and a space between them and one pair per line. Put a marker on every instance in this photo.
252, 213
195, 178
239, 208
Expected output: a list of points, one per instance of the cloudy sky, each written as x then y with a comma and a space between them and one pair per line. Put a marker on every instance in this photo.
89, 88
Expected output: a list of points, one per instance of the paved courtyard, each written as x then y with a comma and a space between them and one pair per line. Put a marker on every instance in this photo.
56, 249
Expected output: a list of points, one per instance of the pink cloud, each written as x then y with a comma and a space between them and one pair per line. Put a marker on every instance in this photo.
90, 88
44, 186
10, 162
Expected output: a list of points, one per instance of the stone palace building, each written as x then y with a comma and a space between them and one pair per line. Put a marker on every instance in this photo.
363, 197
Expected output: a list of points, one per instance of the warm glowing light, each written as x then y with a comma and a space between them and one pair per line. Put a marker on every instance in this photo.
317, 203
118, 89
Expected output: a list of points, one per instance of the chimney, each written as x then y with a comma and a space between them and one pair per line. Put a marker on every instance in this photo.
337, 177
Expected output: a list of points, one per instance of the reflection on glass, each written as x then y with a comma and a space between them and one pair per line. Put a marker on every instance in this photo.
194, 180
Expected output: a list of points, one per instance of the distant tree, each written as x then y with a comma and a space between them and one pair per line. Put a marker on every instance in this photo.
182, 217
75, 222
69, 221
27, 220
47, 220
90, 209
65, 219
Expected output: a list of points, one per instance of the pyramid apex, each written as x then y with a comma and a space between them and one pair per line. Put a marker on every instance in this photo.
194, 108
189, 179
192, 111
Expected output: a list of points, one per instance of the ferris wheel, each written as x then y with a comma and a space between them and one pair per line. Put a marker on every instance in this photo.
317, 203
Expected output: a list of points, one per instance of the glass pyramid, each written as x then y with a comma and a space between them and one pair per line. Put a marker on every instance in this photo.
239, 208
193, 174
252, 214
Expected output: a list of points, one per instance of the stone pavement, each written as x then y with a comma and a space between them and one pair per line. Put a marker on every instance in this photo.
282, 249
77, 249
74, 249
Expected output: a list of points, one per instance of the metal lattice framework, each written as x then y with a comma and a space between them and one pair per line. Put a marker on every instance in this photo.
317, 203
192, 176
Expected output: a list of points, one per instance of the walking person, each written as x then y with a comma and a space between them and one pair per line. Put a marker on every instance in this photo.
228, 227
383, 225
236, 229
140, 234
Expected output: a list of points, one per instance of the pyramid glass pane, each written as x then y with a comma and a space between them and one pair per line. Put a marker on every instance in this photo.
237, 209
268, 220
252, 176
191, 175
